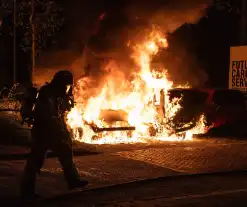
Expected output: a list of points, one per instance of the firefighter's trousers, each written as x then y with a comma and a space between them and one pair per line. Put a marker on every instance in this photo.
36, 159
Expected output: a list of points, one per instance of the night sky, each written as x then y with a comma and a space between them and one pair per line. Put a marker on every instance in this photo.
207, 42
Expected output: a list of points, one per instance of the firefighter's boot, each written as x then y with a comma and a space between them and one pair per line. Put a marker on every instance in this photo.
78, 183
72, 176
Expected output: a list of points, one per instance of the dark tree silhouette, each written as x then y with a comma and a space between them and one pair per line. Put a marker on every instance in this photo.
39, 20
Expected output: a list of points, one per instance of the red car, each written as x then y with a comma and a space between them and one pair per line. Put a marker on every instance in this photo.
224, 110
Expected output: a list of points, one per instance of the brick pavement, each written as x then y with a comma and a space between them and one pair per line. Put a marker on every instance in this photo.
198, 159
137, 164
100, 170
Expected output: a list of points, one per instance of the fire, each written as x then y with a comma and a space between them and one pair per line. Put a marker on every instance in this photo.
134, 104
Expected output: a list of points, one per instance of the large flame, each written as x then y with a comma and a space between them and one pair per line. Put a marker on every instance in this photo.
137, 99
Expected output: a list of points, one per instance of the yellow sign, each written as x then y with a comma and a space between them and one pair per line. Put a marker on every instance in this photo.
238, 68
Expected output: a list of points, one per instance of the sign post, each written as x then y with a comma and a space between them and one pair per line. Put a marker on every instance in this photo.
238, 68
14, 43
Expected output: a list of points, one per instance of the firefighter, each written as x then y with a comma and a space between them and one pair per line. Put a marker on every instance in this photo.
49, 132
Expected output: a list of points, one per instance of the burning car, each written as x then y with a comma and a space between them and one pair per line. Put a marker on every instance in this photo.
168, 119
173, 114
134, 108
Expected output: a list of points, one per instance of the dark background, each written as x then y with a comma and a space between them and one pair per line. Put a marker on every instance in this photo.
208, 41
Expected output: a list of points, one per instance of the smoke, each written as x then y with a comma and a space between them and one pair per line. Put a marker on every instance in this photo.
181, 58
129, 23
49, 64
132, 23
80, 16
170, 15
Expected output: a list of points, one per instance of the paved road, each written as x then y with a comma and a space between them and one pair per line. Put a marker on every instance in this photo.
221, 189
131, 163
217, 190
100, 170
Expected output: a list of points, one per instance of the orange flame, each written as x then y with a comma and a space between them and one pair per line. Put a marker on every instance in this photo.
135, 98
